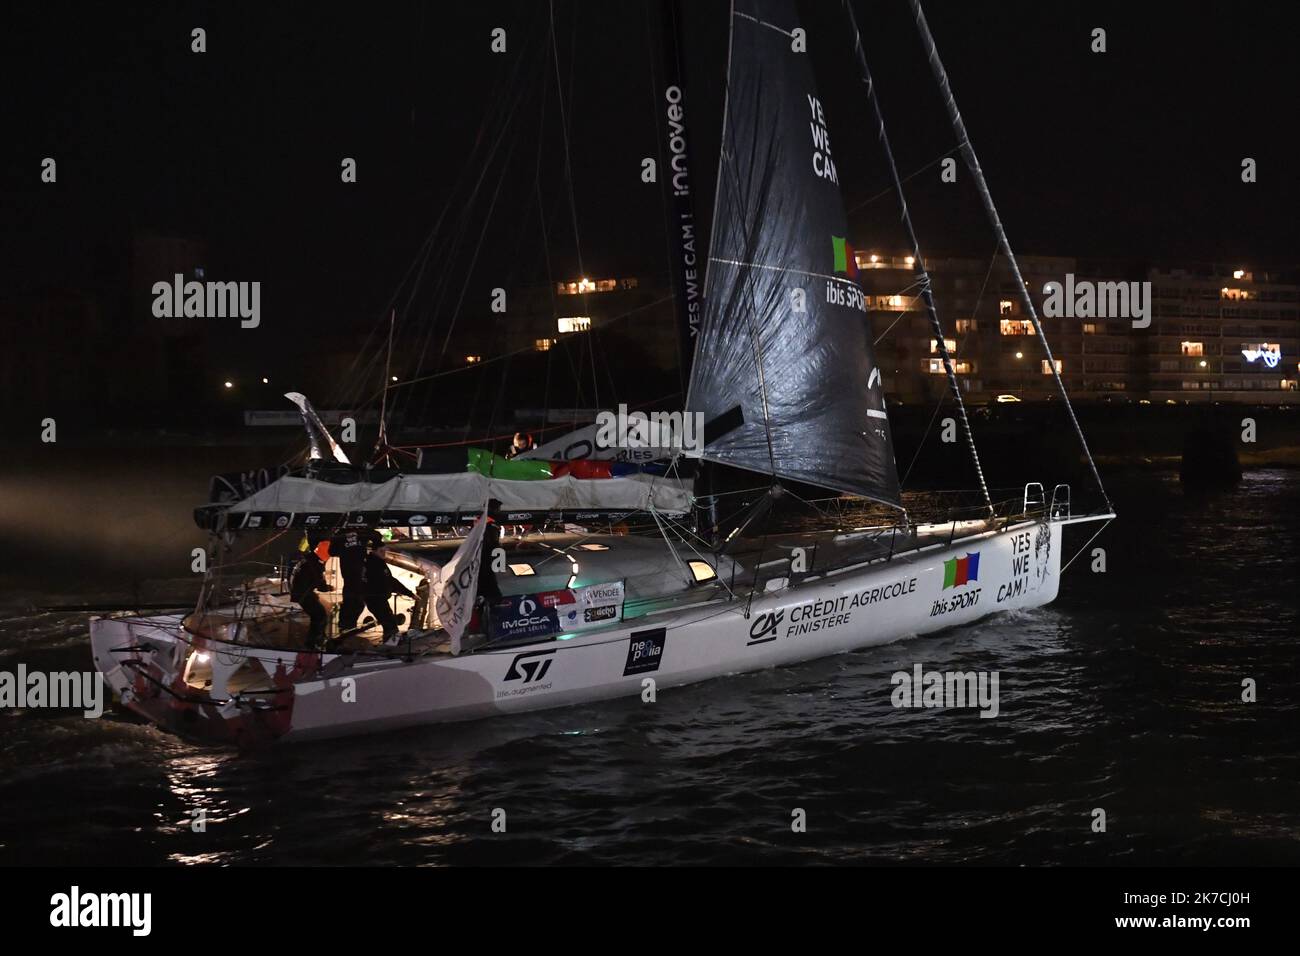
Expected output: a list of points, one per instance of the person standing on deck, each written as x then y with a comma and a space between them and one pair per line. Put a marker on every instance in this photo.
350, 548
522, 442
306, 578
379, 584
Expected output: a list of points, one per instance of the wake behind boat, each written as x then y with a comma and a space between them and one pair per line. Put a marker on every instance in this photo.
614, 573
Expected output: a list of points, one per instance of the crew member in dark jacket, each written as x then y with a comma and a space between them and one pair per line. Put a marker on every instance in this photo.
488, 589
380, 583
522, 442
350, 548
308, 577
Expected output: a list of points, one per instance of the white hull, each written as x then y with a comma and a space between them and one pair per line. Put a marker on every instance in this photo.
877, 603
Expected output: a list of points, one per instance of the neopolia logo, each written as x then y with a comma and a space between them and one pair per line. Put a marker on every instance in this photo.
530, 667
764, 627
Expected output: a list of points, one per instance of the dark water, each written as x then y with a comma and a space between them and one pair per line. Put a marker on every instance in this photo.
1123, 695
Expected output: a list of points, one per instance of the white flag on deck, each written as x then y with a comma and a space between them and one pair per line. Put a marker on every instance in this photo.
452, 595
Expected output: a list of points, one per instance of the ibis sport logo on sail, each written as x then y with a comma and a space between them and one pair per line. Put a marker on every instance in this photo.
839, 291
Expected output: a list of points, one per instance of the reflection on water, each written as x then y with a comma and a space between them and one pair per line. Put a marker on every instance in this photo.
1125, 694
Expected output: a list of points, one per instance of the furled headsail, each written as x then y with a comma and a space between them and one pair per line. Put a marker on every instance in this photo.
784, 373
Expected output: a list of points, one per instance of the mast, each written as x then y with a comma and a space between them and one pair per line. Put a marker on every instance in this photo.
973, 164
683, 228
923, 276
382, 441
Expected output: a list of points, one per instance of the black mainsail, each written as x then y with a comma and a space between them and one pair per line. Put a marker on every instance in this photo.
784, 372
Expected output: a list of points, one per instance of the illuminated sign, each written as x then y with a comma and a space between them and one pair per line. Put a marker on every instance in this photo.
1270, 352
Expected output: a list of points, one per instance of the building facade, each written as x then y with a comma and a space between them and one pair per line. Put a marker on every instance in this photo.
1215, 333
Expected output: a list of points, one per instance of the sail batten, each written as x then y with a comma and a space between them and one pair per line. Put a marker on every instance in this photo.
784, 351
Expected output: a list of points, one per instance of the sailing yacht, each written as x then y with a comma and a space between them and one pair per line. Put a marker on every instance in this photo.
785, 381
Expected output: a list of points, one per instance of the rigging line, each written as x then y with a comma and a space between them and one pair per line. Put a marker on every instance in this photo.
902, 312
763, 23
568, 175
546, 244
910, 176
993, 261
473, 262
921, 443
505, 355
922, 274
444, 282
1084, 548
972, 163
422, 257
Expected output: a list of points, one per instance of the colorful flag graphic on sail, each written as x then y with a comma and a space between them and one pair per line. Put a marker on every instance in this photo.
959, 571
845, 261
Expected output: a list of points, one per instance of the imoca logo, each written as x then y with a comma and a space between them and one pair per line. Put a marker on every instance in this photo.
530, 667
764, 627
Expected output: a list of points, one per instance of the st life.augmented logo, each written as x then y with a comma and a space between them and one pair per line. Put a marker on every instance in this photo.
530, 667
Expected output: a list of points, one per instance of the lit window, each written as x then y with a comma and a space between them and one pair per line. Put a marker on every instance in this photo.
1193, 348
521, 570
1047, 369
1090, 328
574, 323
473, 359
1015, 327
966, 325
949, 344
1006, 307
702, 570
958, 368
543, 345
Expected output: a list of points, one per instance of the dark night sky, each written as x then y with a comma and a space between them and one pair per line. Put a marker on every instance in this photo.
1134, 153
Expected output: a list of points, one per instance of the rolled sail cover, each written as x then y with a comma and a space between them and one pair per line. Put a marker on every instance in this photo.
784, 373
